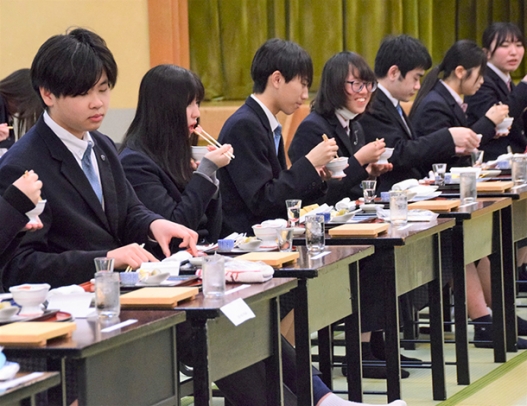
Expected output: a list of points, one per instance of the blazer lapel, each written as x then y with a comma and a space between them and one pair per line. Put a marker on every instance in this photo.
502, 86
280, 158
456, 108
392, 111
342, 137
71, 170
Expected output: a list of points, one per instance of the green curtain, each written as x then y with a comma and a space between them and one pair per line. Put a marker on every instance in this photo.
225, 34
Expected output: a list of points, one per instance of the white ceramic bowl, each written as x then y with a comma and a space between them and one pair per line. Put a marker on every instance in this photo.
267, 230
30, 297
37, 211
171, 267
155, 279
387, 154
503, 127
7, 312
199, 152
251, 245
337, 166
343, 218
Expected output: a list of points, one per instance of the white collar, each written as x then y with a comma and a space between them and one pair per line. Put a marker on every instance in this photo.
388, 95
273, 121
503, 76
346, 114
75, 145
454, 94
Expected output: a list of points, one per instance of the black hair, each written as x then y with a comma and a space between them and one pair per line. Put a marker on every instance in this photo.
332, 94
160, 127
21, 99
465, 53
287, 57
406, 52
501, 32
71, 64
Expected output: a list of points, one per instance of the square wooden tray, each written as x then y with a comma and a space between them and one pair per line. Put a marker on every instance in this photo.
435, 205
34, 333
158, 297
498, 186
359, 230
275, 259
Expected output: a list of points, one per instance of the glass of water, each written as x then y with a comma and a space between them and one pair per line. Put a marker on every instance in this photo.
398, 207
107, 289
439, 173
315, 240
214, 276
368, 188
293, 211
467, 187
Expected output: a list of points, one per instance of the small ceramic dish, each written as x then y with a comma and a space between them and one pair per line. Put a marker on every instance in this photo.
196, 261
7, 312
342, 218
37, 211
155, 279
198, 153
30, 297
299, 231
337, 167
251, 245
370, 207
387, 154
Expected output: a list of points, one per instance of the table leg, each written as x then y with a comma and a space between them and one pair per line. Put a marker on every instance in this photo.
202, 387
436, 328
303, 346
460, 306
273, 365
393, 360
352, 333
509, 279
496, 278
325, 355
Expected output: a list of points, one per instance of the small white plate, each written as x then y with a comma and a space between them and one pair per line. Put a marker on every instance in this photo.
156, 279
196, 261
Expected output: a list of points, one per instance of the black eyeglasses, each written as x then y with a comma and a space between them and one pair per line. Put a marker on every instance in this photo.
357, 85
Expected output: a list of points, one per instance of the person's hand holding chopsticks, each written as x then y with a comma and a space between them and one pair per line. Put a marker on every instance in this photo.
210, 139
323, 153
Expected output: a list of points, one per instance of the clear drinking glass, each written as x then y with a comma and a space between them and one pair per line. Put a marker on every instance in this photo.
398, 207
103, 264
293, 211
107, 285
315, 240
439, 173
285, 238
368, 188
467, 187
519, 170
213, 276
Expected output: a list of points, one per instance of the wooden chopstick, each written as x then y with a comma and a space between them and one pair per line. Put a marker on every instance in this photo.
212, 141
325, 138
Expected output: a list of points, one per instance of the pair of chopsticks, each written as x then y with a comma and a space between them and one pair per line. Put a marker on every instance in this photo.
325, 138
129, 268
211, 140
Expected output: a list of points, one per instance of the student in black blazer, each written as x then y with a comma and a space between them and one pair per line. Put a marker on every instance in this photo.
18, 198
255, 185
439, 103
504, 44
345, 90
156, 153
79, 225
17, 99
399, 65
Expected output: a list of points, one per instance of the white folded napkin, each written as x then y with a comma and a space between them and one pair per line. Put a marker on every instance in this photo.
239, 271
346, 204
413, 215
405, 184
178, 256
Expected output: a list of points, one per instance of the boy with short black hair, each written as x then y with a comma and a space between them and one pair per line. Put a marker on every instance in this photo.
400, 64
255, 185
91, 209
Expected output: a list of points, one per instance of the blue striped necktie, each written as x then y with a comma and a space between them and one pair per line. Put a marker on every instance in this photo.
277, 135
89, 171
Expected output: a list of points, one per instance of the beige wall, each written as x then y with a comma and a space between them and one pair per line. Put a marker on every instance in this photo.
26, 24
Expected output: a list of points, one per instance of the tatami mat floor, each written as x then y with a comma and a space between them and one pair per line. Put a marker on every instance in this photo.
510, 390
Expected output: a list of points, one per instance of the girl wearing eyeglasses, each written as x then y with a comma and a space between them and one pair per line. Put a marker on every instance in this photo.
346, 88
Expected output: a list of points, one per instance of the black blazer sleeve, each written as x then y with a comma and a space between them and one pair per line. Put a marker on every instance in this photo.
159, 193
309, 134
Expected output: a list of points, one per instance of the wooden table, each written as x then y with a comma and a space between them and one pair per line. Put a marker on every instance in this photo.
410, 257
478, 233
133, 365
327, 292
257, 339
29, 389
514, 229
